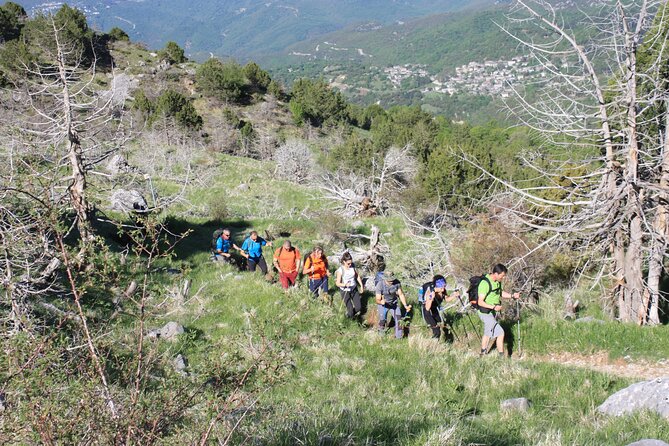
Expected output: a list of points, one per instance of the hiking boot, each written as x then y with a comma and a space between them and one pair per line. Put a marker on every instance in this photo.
482, 353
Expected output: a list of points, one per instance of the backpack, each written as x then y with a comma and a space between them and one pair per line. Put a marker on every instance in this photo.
378, 278
214, 238
473, 292
421, 292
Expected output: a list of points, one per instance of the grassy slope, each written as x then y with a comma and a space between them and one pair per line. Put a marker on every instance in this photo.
351, 386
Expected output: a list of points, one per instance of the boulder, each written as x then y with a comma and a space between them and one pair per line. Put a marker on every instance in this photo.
117, 164
518, 404
647, 442
128, 201
243, 187
179, 364
589, 319
169, 331
357, 224
650, 395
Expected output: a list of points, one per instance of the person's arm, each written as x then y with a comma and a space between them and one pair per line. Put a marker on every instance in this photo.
379, 299
507, 295
482, 303
275, 261
308, 269
452, 296
234, 246
429, 298
245, 248
403, 299
362, 287
219, 246
338, 281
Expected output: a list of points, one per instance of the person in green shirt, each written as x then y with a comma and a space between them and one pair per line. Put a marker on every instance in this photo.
489, 303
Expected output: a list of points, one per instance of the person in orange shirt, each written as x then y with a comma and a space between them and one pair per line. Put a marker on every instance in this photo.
287, 260
316, 268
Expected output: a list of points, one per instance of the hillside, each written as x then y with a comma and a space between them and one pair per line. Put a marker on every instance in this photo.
119, 328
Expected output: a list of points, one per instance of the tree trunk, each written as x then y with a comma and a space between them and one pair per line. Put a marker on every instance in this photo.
77, 188
633, 274
660, 229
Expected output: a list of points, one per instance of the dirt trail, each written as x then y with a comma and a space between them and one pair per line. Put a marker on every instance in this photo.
600, 362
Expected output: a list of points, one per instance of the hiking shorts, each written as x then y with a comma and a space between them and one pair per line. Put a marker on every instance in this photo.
491, 327
287, 279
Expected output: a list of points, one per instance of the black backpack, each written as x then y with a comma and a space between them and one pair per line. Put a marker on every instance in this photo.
214, 238
473, 292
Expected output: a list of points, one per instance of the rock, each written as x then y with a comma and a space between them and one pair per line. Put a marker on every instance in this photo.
334, 260
3, 402
117, 164
647, 395
357, 224
387, 234
168, 332
128, 201
519, 404
647, 442
179, 364
239, 277
369, 283
243, 187
589, 319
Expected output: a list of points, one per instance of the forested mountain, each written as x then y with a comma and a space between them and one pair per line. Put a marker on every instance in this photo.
246, 29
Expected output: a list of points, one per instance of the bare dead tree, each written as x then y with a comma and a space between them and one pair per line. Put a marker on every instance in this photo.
593, 99
357, 194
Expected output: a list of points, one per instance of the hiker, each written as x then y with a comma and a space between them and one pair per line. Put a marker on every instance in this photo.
350, 285
252, 250
287, 260
433, 295
221, 246
490, 296
316, 268
388, 292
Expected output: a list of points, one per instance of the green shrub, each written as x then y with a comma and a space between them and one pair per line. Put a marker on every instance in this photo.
172, 53
224, 81
117, 34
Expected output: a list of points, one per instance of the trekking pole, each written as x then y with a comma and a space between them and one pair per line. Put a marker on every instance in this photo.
520, 351
464, 309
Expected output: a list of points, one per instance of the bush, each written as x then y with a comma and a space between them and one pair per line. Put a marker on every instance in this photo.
316, 102
294, 162
172, 53
218, 209
174, 104
256, 76
224, 81
117, 34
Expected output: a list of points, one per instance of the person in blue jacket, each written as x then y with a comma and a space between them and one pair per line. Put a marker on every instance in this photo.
223, 244
252, 250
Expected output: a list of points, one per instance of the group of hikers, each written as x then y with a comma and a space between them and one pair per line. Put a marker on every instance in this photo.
485, 293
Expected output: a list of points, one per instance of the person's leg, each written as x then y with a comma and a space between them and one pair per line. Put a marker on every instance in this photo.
397, 314
348, 301
431, 322
357, 301
487, 331
383, 315
263, 265
498, 332
313, 287
283, 278
251, 265
291, 278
